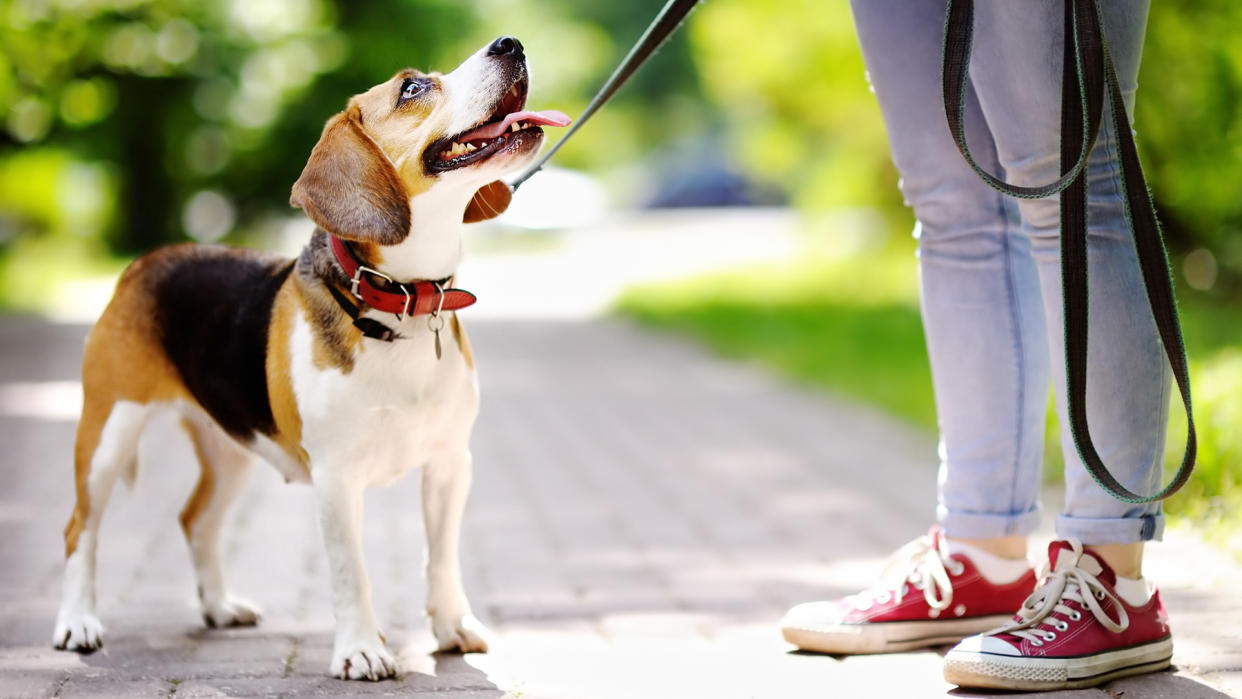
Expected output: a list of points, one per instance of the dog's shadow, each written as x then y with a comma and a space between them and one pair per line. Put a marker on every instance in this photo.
444, 671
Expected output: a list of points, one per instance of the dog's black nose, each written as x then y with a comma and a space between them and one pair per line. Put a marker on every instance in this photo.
505, 45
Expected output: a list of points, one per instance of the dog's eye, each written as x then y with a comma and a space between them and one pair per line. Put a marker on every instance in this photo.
412, 88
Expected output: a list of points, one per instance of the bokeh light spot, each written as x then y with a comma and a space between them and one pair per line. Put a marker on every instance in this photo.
30, 119
84, 102
208, 215
1199, 267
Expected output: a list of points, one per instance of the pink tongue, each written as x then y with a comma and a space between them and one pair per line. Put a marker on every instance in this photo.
550, 117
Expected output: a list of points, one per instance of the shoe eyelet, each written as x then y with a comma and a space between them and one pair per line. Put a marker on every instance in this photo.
1050, 636
884, 598
1075, 615
957, 569
1099, 594
1062, 626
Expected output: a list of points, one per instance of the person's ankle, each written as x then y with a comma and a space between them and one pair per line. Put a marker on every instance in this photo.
1126, 560
1012, 547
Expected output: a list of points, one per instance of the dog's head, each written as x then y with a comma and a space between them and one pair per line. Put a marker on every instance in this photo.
420, 132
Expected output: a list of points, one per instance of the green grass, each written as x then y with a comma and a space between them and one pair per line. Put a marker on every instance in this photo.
851, 326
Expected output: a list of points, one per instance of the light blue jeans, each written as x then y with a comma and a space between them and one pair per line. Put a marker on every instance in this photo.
990, 275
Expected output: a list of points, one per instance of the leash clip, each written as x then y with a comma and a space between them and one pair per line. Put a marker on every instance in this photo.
435, 316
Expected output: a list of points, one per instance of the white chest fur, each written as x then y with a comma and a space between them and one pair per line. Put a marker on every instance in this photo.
395, 409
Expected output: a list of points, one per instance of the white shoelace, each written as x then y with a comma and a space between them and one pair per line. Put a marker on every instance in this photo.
1069, 581
919, 565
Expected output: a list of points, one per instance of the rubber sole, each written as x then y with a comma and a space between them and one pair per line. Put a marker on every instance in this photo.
889, 636
993, 671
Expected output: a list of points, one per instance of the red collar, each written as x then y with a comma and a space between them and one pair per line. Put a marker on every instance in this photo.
408, 299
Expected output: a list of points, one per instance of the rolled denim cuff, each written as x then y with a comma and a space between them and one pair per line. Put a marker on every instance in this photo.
987, 525
1093, 531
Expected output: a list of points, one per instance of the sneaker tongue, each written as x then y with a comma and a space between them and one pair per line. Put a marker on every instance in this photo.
1062, 556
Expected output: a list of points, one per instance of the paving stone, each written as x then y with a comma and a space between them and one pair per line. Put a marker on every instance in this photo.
28, 684
114, 687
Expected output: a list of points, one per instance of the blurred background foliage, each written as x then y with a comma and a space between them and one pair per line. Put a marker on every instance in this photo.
138, 122
130, 123
125, 124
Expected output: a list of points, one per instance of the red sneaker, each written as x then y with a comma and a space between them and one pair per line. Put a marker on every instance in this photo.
924, 598
1074, 631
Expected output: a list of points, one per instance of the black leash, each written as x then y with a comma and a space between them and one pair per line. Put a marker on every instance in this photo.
665, 23
1088, 74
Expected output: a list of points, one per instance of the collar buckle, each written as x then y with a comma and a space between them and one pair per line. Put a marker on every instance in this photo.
356, 281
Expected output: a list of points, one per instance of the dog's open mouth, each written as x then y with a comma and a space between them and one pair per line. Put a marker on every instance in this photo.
509, 125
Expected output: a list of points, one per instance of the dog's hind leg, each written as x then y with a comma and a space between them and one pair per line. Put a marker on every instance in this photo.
107, 444
446, 482
225, 468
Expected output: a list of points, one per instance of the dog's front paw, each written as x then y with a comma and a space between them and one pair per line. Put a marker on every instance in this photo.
363, 661
460, 632
78, 631
231, 611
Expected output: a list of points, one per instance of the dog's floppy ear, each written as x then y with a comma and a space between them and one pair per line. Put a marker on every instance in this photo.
350, 188
489, 202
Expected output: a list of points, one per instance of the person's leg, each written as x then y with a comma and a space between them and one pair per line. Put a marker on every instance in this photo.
979, 291
985, 338
1017, 75
1095, 624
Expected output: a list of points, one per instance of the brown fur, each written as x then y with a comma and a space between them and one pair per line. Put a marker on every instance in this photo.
336, 340
201, 496
350, 188
459, 334
290, 304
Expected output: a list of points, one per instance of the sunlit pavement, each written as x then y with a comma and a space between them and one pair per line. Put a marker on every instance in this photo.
642, 515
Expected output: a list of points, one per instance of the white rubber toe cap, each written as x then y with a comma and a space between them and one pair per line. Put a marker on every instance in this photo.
985, 644
812, 615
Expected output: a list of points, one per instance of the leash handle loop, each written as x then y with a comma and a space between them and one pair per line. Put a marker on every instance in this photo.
1082, 26
1093, 76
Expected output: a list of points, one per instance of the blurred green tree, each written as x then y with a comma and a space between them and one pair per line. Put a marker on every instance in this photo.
1189, 122
146, 120
175, 97
788, 78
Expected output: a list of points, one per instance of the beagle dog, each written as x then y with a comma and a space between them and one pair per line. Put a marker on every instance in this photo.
343, 368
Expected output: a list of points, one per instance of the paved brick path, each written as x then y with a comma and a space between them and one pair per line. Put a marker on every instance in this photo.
641, 517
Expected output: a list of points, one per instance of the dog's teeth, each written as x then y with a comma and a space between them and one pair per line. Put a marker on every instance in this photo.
470, 148
516, 125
